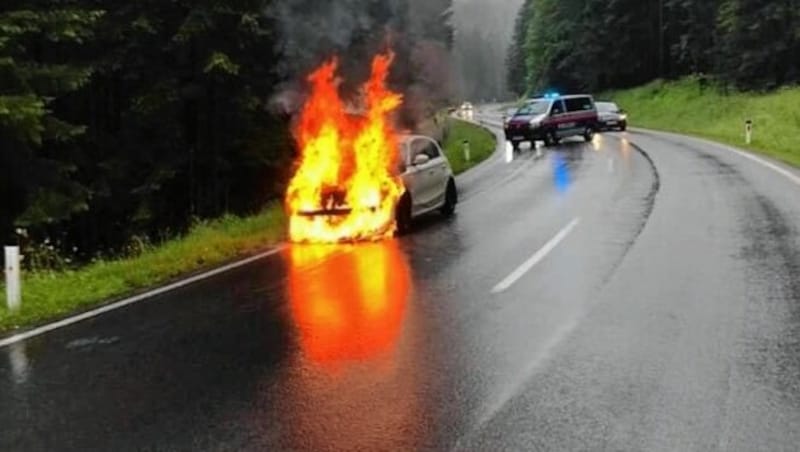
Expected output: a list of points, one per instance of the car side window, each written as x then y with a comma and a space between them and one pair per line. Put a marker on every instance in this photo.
579, 104
432, 150
558, 108
424, 146
417, 147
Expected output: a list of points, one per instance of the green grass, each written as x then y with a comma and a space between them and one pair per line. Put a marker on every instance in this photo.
684, 107
50, 295
482, 144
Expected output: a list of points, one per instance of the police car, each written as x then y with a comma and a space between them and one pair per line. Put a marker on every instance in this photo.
551, 118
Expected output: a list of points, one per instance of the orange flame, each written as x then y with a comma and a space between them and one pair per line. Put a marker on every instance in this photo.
344, 188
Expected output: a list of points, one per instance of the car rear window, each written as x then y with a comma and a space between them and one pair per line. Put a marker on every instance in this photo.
607, 107
579, 104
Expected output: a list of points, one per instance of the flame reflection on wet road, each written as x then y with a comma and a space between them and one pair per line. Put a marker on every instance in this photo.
350, 307
353, 383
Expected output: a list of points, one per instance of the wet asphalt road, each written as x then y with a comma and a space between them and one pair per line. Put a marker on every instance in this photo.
667, 318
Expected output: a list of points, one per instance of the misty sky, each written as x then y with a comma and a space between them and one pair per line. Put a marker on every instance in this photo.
483, 33
494, 15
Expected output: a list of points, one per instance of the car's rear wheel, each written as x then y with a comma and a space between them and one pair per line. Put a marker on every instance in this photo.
403, 215
450, 199
588, 133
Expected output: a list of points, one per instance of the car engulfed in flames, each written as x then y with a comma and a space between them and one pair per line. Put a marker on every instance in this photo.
345, 188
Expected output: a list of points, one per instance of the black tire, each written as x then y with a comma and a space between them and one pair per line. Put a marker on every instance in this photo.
450, 199
550, 139
588, 134
403, 215
515, 145
623, 127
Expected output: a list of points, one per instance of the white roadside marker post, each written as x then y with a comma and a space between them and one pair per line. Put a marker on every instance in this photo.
467, 153
748, 131
13, 290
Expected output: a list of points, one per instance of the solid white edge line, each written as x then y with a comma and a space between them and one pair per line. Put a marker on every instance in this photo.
748, 155
766, 163
537, 257
128, 301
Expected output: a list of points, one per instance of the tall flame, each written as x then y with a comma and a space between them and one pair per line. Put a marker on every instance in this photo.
344, 188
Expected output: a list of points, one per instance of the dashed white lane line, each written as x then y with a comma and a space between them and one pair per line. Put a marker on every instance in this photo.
537, 257
128, 301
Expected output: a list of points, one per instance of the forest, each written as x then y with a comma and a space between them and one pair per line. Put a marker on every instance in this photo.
597, 45
128, 121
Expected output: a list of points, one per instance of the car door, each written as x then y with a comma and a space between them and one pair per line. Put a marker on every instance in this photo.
438, 173
415, 175
579, 110
560, 117
423, 180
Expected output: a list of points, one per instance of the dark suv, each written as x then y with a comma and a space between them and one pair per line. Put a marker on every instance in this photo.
552, 118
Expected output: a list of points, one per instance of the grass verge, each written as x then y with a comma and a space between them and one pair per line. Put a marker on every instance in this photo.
482, 144
51, 295
686, 107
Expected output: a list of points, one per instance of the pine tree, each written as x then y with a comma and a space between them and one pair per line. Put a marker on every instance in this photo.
517, 69
759, 42
690, 30
35, 75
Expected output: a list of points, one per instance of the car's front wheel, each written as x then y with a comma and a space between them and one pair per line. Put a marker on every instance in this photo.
450, 199
623, 126
403, 215
588, 134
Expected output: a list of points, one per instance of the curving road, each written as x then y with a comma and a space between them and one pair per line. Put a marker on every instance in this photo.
641, 292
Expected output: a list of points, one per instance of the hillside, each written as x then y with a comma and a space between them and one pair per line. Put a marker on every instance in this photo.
687, 107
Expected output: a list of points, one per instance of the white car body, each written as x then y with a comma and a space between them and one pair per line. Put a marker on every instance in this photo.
426, 174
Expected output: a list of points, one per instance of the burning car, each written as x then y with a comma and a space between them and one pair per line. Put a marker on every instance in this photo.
347, 186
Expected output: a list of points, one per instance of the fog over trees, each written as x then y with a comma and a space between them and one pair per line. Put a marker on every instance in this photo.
483, 31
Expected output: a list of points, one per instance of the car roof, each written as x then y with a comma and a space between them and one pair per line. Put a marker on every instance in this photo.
565, 96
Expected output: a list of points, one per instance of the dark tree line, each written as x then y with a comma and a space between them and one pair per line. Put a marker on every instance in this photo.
123, 119
595, 45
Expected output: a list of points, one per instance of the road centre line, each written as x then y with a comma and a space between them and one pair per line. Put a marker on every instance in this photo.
128, 301
537, 257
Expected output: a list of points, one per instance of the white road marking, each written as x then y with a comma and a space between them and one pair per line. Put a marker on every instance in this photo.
537, 257
128, 301
752, 157
766, 163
